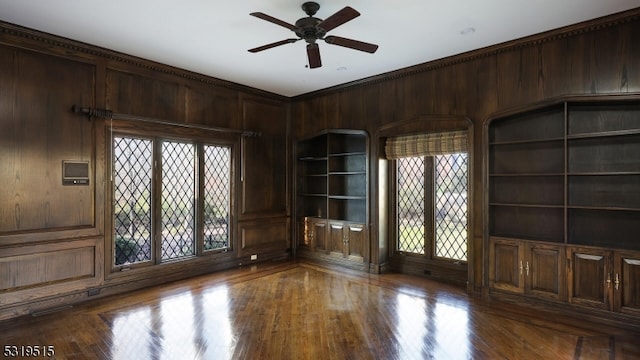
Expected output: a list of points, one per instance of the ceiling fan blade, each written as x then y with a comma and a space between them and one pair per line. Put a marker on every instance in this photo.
350, 43
339, 18
268, 18
272, 45
313, 52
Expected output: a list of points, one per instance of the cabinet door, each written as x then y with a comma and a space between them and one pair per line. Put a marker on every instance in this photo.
589, 277
319, 234
544, 271
355, 246
626, 282
506, 265
337, 238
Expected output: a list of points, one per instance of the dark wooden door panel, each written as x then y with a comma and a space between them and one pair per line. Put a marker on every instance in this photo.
337, 238
506, 266
627, 291
545, 273
357, 240
319, 228
590, 282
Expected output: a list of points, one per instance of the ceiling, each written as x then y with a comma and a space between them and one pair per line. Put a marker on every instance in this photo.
212, 37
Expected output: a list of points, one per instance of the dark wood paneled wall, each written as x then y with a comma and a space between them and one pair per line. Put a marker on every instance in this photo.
33, 143
598, 57
54, 239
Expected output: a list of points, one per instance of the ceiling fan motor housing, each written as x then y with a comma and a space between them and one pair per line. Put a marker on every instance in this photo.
307, 29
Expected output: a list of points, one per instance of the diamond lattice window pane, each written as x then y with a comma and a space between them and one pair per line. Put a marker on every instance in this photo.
451, 206
410, 211
217, 195
132, 174
178, 200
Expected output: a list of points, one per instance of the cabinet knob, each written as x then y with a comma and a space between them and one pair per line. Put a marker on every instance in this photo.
520, 267
527, 268
609, 281
617, 282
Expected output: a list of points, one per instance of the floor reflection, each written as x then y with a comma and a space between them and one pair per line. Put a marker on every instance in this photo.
451, 332
132, 334
425, 328
218, 338
185, 326
411, 326
177, 328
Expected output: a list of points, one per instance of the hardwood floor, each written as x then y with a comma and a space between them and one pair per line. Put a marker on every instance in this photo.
292, 310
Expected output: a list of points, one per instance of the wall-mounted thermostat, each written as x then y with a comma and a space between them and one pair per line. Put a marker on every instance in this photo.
75, 172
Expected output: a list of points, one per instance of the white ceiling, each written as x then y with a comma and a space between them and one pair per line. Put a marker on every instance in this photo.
212, 37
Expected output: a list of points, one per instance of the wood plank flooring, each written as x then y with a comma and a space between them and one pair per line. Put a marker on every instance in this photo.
292, 310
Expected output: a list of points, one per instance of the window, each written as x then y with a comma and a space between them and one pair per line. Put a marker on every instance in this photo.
189, 210
431, 206
431, 185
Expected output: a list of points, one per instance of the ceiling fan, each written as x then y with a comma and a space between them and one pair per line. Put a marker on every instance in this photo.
312, 29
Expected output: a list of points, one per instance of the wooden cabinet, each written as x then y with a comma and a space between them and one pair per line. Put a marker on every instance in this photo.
528, 268
355, 245
544, 269
626, 282
590, 279
605, 279
563, 191
313, 234
347, 240
332, 194
505, 261
340, 239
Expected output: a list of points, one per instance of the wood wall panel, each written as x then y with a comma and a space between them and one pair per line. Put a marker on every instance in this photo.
264, 236
50, 267
264, 159
37, 132
141, 95
212, 107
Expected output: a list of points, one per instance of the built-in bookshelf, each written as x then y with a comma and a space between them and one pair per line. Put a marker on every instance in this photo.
567, 173
332, 197
332, 176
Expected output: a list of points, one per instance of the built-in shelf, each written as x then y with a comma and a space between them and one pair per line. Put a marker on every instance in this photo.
335, 162
528, 205
568, 173
531, 141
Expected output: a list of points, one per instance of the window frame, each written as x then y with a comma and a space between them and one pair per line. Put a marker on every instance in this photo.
163, 133
429, 206
383, 202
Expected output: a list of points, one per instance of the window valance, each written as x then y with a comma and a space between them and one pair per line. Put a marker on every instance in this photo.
426, 144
